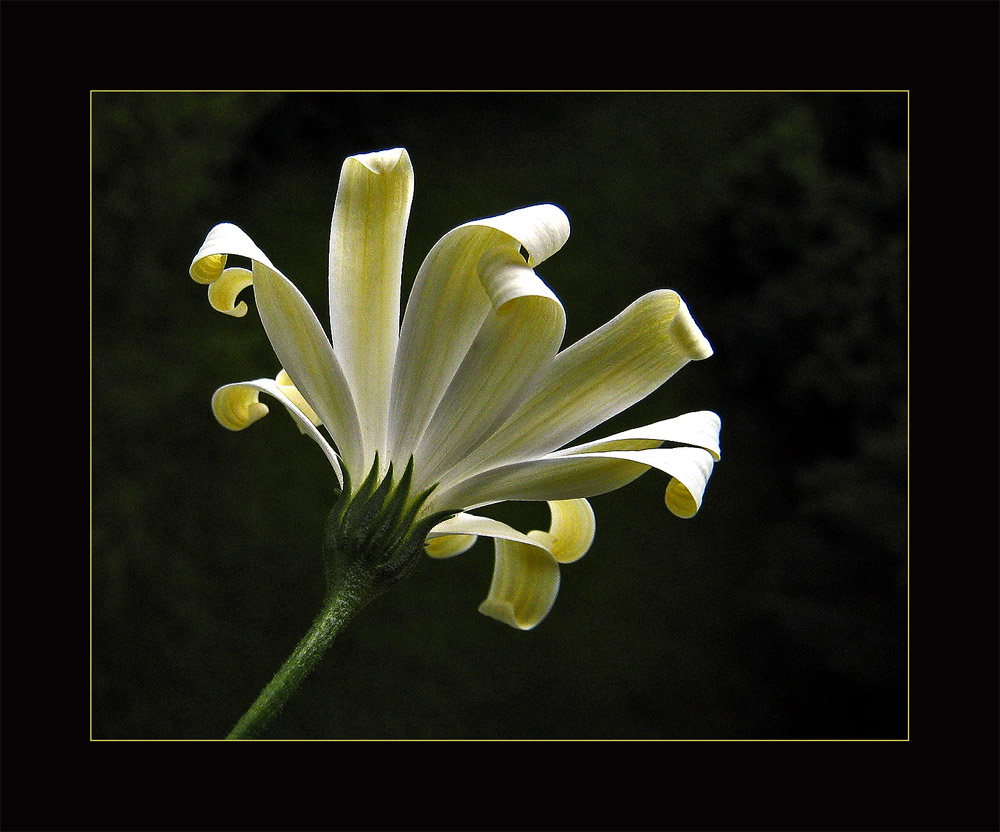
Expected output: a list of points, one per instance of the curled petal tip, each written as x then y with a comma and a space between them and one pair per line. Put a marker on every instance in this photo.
525, 585
236, 406
680, 501
572, 531
207, 269
549, 231
688, 335
223, 291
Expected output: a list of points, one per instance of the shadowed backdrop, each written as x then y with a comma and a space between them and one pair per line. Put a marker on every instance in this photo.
779, 611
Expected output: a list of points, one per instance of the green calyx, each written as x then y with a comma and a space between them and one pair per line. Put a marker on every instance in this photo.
372, 536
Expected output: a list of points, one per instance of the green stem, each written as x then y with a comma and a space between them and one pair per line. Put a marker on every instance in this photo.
353, 592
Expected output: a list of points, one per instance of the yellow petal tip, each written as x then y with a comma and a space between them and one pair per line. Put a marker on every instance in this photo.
680, 500
236, 406
223, 291
572, 531
208, 269
688, 334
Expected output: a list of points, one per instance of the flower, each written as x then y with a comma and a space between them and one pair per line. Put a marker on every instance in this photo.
471, 394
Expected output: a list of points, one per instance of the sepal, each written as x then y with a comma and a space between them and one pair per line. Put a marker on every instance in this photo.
376, 531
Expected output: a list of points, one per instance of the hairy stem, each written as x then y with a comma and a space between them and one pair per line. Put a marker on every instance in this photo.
352, 592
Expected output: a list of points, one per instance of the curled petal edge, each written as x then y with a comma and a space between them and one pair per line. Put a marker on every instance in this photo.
223, 240
297, 337
449, 545
699, 429
515, 343
541, 230
593, 380
236, 406
526, 566
689, 470
471, 270
223, 292
524, 586
473, 525
569, 476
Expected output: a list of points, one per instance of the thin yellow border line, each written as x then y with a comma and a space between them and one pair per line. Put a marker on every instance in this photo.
91, 435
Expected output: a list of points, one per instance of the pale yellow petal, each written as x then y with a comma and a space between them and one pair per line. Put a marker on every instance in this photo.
366, 259
572, 531
295, 333
524, 586
514, 345
564, 477
596, 378
450, 299
526, 566
223, 291
699, 429
237, 406
307, 356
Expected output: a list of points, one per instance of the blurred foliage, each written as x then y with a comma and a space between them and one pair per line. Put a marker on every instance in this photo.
780, 611
814, 233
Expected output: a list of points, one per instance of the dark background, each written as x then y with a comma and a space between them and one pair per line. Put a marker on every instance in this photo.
778, 612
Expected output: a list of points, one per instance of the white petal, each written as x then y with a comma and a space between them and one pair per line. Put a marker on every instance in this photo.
524, 586
570, 533
448, 305
295, 333
700, 429
525, 572
597, 377
526, 566
564, 477
307, 356
473, 524
291, 392
515, 344
223, 240
366, 260
236, 407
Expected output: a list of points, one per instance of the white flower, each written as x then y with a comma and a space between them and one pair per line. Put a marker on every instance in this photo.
471, 392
